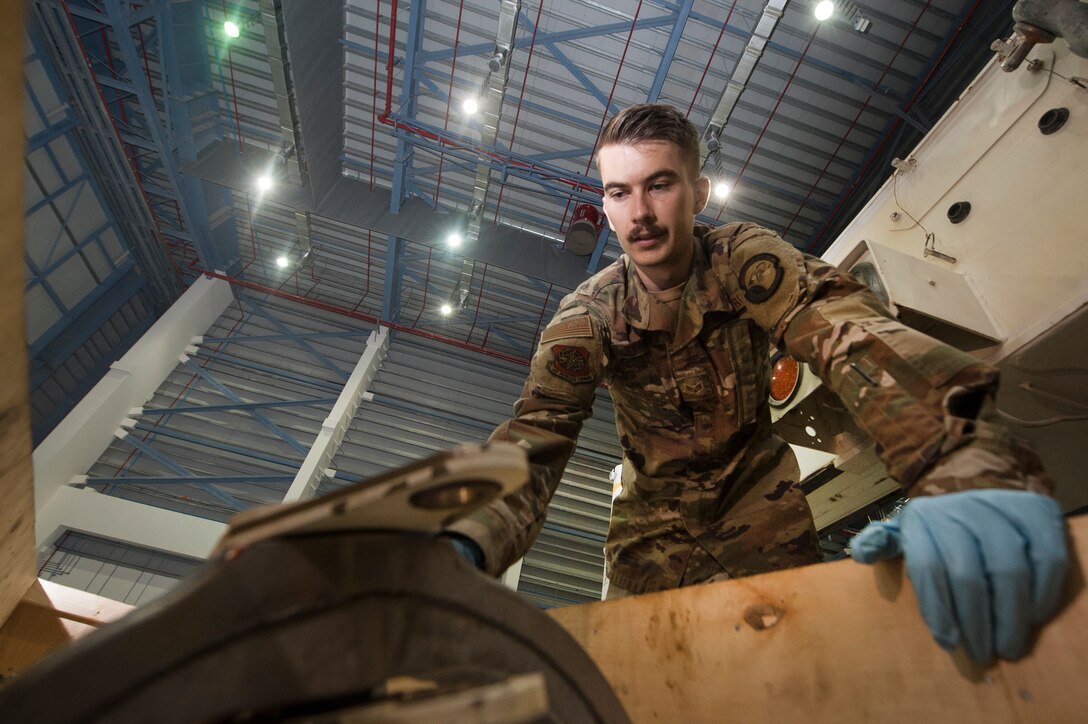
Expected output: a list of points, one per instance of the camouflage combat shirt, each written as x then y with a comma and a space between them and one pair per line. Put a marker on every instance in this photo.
708, 490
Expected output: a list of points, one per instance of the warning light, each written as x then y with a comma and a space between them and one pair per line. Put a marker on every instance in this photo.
785, 379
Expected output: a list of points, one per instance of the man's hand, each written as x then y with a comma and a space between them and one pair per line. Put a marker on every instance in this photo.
986, 565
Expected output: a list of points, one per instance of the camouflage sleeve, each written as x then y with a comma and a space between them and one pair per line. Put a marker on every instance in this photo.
928, 406
556, 399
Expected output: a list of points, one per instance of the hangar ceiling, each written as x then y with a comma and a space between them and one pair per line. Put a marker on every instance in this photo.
354, 111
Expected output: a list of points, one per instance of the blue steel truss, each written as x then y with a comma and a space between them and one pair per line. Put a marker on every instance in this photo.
156, 86
206, 396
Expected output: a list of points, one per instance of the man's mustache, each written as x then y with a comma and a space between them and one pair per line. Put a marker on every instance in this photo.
645, 231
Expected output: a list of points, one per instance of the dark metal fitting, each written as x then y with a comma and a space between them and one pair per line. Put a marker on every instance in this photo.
1053, 120
959, 211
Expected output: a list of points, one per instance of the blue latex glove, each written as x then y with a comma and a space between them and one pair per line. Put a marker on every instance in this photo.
466, 547
986, 565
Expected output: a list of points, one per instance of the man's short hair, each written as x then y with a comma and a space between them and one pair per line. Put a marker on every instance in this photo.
654, 122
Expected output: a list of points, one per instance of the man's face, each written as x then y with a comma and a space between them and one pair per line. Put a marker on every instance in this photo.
651, 200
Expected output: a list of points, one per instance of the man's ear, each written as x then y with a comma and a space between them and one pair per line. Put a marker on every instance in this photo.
702, 193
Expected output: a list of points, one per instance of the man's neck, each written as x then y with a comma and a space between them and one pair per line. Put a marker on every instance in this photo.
657, 279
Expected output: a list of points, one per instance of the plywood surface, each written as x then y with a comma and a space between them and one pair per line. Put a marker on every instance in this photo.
827, 643
16, 481
49, 617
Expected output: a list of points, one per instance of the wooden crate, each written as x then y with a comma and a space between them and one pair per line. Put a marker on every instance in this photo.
827, 643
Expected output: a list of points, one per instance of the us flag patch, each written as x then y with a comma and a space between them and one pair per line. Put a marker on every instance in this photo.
573, 327
571, 363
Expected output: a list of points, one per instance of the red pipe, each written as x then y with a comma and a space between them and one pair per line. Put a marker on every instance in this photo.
358, 315
449, 97
131, 152
608, 103
117, 131
861, 110
894, 126
711, 58
543, 309
774, 110
147, 67
402, 126
389, 60
234, 91
521, 97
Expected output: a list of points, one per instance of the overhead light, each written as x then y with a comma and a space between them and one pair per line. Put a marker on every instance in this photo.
453, 240
446, 310
231, 29
281, 261
470, 106
722, 189
497, 60
264, 183
850, 12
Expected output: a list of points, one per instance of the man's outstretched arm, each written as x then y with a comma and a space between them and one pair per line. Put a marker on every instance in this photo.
930, 410
556, 399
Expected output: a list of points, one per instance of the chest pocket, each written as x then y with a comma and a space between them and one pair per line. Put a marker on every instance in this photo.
643, 388
739, 363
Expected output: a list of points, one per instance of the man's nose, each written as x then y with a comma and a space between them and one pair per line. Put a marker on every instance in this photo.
640, 209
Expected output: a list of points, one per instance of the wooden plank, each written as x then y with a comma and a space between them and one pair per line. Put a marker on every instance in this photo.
74, 604
827, 643
49, 617
16, 477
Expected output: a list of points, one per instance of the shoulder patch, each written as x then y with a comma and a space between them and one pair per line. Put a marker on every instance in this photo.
570, 363
569, 328
760, 277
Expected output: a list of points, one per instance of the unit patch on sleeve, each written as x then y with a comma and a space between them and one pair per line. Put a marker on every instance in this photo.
571, 363
760, 277
568, 328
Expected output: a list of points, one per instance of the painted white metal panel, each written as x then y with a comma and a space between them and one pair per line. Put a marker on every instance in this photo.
1023, 247
339, 420
110, 517
78, 441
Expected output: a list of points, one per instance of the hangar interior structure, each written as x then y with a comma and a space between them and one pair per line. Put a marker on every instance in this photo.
245, 209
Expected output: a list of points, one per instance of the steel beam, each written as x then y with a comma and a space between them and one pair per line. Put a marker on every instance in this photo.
336, 425
592, 31
670, 50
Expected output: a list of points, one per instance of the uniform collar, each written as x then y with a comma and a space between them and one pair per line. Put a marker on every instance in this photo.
703, 293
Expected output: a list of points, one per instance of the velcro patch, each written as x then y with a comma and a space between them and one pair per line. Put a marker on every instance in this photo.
760, 277
571, 363
569, 328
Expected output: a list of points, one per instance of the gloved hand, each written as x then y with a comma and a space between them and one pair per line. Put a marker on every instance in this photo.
466, 547
986, 565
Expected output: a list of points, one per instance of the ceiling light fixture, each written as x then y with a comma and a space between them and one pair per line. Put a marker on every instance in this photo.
470, 106
849, 12
497, 60
722, 189
446, 310
281, 261
264, 183
231, 29
453, 240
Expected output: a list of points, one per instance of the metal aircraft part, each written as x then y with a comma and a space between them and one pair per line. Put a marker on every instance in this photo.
1041, 21
331, 624
425, 496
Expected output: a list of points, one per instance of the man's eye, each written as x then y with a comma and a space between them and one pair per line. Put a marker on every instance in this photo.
617, 194
659, 187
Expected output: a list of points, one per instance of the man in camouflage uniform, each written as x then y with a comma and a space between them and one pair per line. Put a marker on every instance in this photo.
680, 329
